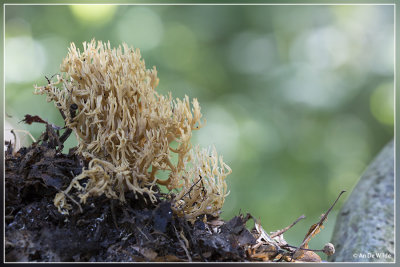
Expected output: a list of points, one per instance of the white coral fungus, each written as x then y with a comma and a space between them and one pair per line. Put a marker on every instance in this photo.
125, 129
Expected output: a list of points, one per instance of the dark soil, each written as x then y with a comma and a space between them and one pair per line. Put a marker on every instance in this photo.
108, 230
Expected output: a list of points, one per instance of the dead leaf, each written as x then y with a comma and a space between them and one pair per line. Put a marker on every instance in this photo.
313, 231
148, 253
307, 256
265, 253
168, 258
29, 119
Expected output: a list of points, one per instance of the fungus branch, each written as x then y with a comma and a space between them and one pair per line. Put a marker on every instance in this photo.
124, 128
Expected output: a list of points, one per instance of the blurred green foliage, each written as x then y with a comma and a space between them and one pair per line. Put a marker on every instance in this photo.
298, 99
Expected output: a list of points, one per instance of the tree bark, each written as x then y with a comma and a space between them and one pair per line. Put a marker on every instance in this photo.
364, 230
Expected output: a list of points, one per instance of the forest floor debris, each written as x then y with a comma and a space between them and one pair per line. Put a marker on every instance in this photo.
107, 230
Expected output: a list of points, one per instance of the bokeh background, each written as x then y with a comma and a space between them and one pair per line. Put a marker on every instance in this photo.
298, 99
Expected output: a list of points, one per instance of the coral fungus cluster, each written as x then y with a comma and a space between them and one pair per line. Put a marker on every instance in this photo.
126, 131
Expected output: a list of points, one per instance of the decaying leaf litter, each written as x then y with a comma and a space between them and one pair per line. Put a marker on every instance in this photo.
102, 201
108, 230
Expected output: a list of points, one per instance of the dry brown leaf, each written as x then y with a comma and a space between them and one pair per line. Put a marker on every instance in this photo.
313, 231
266, 252
148, 253
168, 258
29, 119
264, 256
307, 256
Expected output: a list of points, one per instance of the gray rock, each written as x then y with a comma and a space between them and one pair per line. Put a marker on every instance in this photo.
364, 230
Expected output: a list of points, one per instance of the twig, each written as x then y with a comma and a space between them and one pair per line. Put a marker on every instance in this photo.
22, 131
114, 217
323, 219
263, 234
307, 249
49, 79
14, 147
142, 233
183, 245
318, 225
73, 200
191, 188
67, 133
186, 226
287, 228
